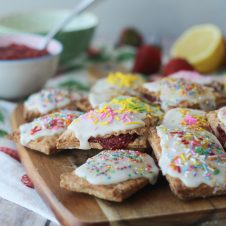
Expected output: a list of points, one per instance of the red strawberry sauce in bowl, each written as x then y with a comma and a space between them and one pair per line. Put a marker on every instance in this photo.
18, 51
24, 67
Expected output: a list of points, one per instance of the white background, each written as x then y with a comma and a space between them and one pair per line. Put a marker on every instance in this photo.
160, 18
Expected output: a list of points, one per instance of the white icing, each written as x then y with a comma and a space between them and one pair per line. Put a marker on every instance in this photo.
198, 78
196, 168
121, 113
176, 118
174, 91
111, 167
153, 86
49, 125
78, 95
99, 123
222, 115
49, 99
136, 103
193, 76
103, 90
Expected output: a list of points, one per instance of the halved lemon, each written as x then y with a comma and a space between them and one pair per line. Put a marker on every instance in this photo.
203, 47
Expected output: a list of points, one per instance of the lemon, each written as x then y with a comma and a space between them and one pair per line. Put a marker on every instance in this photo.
202, 46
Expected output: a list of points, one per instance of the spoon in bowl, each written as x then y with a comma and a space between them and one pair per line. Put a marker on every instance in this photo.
82, 6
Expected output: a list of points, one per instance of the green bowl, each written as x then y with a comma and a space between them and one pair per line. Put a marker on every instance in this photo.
75, 37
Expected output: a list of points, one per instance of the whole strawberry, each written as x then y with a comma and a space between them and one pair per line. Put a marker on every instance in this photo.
93, 52
131, 37
147, 60
175, 65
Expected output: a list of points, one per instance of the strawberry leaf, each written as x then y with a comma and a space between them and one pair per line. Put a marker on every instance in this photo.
1, 117
3, 133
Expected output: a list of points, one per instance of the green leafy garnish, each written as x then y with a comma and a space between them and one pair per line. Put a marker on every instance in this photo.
73, 85
3, 133
125, 56
2, 118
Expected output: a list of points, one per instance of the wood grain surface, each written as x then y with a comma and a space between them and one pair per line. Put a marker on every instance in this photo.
153, 205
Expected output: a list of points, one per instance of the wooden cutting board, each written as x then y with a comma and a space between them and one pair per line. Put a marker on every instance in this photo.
153, 205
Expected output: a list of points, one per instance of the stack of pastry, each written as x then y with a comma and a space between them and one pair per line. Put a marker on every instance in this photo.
125, 119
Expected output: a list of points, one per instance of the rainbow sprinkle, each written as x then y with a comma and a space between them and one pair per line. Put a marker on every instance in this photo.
194, 121
53, 96
200, 156
124, 80
121, 109
136, 105
173, 91
53, 121
114, 166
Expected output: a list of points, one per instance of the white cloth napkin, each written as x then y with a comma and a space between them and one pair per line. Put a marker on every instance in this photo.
11, 171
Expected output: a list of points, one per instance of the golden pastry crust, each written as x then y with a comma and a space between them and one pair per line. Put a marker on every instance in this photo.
68, 140
217, 86
215, 124
45, 145
31, 115
146, 93
154, 97
114, 192
220, 101
84, 105
176, 185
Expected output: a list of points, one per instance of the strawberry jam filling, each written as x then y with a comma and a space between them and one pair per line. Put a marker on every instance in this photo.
222, 134
18, 51
114, 142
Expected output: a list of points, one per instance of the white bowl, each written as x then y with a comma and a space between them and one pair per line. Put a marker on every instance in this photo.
22, 77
